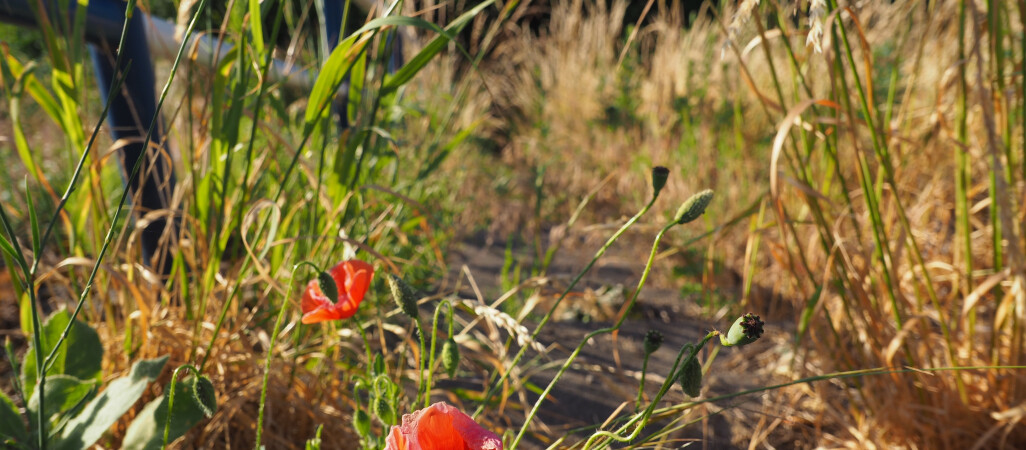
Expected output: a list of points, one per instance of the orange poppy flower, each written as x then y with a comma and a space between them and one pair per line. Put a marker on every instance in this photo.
441, 427
351, 278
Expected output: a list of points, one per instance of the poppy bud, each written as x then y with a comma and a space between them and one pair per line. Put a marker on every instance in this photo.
328, 286
362, 423
694, 207
450, 357
659, 176
403, 295
653, 340
378, 368
384, 411
205, 395
691, 378
745, 330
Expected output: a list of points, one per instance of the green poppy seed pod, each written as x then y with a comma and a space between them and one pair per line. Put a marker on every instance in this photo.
653, 340
328, 286
659, 176
745, 330
362, 423
694, 207
404, 296
205, 395
691, 378
450, 357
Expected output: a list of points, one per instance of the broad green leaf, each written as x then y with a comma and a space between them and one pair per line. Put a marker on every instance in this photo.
330, 77
63, 393
103, 411
79, 356
11, 426
147, 430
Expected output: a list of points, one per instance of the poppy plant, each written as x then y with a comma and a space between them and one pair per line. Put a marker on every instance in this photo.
351, 281
441, 427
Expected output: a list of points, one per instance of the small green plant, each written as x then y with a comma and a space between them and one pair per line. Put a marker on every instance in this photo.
77, 413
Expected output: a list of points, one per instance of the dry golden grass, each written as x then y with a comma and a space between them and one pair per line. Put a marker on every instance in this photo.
554, 92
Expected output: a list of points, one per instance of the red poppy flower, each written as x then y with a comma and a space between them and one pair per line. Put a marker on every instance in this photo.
351, 278
441, 427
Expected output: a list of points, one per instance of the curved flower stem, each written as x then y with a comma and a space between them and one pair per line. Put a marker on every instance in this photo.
641, 384
171, 399
548, 316
434, 338
270, 348
642, 419
577, 351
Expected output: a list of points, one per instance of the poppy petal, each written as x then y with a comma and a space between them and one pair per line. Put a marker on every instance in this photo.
321, 315
313, 298
441, 427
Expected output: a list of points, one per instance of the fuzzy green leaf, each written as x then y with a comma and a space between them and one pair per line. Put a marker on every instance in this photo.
103, 411
147, 430
79, 356
11, 426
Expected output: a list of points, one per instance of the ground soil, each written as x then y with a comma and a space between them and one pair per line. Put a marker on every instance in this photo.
595, 387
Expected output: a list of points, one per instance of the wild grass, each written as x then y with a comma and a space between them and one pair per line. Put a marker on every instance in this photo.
876, 172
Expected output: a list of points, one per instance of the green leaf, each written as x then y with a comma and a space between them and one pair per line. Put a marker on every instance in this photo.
147, 430
63, 393
406, 73
103, 411
330, 77
79, 356
11, 426
204, 394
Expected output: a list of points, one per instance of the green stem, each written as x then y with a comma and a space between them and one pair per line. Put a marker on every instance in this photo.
171, 399
641, 384
548, 316
642, 419
434, 338
573, 356
270, 349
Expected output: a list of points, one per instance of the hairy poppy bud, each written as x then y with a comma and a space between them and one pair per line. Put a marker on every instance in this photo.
205, 395
328, 286
450, 357
694, 207
745, 330
691, 378
653, 340
384, 411
659, 176
362, 423
403, 295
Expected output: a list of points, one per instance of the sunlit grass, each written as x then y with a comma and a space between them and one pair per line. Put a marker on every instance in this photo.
867, 205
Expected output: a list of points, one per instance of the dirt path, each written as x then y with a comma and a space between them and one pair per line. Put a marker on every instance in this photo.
594, 388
